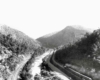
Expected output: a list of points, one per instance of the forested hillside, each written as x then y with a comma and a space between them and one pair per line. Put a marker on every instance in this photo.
85, 54
15, 47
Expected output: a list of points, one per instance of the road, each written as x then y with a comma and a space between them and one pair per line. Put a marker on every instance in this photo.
54, 68
68, 72
15, 74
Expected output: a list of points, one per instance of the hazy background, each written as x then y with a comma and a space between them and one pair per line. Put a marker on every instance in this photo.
39, 17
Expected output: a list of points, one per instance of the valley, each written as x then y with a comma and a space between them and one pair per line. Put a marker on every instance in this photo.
69, 54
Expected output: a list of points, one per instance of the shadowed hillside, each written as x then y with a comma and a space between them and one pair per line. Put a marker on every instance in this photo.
83, 55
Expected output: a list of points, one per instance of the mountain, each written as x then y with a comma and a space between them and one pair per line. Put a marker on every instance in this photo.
68, 35
19, 36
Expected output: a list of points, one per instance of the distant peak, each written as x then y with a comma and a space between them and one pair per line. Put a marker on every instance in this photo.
78, 27
68, 27
75, 27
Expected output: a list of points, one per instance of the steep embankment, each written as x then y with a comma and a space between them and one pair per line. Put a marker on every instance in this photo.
56, 69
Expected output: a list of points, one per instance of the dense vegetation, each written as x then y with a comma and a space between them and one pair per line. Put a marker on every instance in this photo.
12, 45
10, 54
83, 53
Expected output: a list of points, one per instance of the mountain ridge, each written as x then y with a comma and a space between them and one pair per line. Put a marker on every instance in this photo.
63, 37
19, 36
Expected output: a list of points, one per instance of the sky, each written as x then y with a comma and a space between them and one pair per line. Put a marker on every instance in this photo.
40, 17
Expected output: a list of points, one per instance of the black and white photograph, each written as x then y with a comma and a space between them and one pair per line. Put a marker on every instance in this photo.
49, 39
